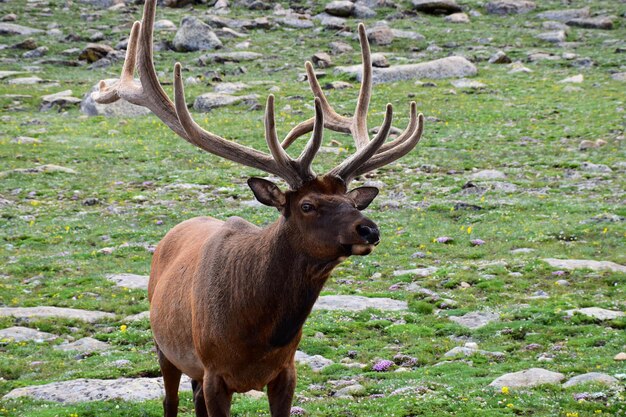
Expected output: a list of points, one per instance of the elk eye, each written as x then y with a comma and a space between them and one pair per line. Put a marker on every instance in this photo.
307, 207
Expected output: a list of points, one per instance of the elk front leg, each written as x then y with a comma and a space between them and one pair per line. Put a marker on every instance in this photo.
171, 382
280, 392
217, 396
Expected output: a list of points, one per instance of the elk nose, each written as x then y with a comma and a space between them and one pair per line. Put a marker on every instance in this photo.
370, 234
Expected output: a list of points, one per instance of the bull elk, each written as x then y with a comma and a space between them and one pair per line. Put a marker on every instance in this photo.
228, 299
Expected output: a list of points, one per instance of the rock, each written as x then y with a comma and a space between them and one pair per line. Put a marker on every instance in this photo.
556, 36
208, 101
476, 319
230, 88
85, 345
564, 15
195, 35
61, 100
380, 35
165, 25
576, 79
55, 312
620, 357
600, 22
358, 303
119, 108
619, 76
418, 272
296, 21
129, 280
341, 8
222, 57
144, 315
362, 11
25, 140
585, 264
586, 144
468, 84
504, 7
36, 53
589, 167
593, 377
331, 22
379, 60
500, 57
24, 334
25, 81
12, 29
471, 350
597, 313
315, 362
407, 34
488, 174
337, 48
457, 18
322, 60
528, 378
436, 7
350, 391
46, 168
450, 67
83, 390
10, 17
7, 74
94, 52
337, 85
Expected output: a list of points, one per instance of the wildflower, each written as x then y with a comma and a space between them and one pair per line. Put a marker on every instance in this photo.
297, 411
477, 242
510, 405
469, 230
505, 390
444, 239
123, 328
558, 273
571, 414
382, 365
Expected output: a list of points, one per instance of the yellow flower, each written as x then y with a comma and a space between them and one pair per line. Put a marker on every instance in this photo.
510, 405
571, 415
505, 390
123, 328
469, 230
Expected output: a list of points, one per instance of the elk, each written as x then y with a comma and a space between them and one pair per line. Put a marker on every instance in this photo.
228, 299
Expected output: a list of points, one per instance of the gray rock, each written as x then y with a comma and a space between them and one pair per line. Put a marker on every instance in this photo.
436, 7
591, 377
222, 57
322, 60
296, 21
600, 22
195, 35
341, 8
362, 11
144, 315
14, 29
119, 108
130, 280
505, 7
337, 85
457, 18
554, 25
500, 57
7, 74
358, 303
230, 88
61, 100
597, 313
476, 319
24, 334
54, 312
165, 25
331, 22
10, 17
208, 101
25, 81
315, 362
338, 47
556, 36
418, 272
350, 391
576, 79
407, 34
528, 378
450, 67
619, 76
83, 390
84, 345
589, 167
488, 174
469, 351
468, 84
380, 35
564, 15
25, 140
585, 264
414, 287
379, 60
36, 53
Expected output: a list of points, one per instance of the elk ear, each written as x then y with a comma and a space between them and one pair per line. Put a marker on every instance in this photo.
267, 192
363, 196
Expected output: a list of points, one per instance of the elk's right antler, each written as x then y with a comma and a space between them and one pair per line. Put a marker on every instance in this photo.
370, 154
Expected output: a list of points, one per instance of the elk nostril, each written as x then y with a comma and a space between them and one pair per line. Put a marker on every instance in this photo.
370, 234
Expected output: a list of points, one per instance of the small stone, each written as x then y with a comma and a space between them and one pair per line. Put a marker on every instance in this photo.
322, 60
600, 22
315, 362
576, 79
595, 377
195, 35
379, 60
132, 281
506, 7
556, 36
488, 174
94, 52
24, 334
84, 345
25, 140
586, 144
528, 378
358, 303
475, 319
418, 272
380, 35
11, 17
499, 57
436, 7
337, 48
620, 357
341, 8
457, 18
597, 313
350, 391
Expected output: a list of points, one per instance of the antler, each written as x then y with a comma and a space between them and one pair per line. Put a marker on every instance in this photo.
149, 93
370, 154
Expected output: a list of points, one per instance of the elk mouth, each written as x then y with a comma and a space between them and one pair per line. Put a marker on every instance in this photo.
359, 249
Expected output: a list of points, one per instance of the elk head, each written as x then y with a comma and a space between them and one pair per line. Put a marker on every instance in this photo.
321, 210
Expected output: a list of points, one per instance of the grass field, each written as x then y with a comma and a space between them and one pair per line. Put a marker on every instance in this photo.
131, 185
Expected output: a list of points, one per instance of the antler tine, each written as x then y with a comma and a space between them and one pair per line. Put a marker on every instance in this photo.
306, 157
401, 149
406, 133
359, 121
280, 156
347, 168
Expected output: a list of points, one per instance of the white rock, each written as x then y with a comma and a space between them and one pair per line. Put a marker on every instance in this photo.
596, 377
488, 174
528, 378
84, 345
585, 264
597, 313
316, 362
23, 334
476, 319
420, 272
58, 312
576, 79
132, 281
358, 303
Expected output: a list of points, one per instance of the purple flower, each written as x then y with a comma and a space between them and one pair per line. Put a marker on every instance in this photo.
159, 222
477, 242
394, 287
382, 365
297, 411
558, 273
444, 239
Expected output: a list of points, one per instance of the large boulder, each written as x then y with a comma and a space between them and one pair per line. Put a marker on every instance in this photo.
564, 15
449, 67
341, 8
208, 101
436, 6
528, 378
504, 7
14, 29
195, 35
119, 108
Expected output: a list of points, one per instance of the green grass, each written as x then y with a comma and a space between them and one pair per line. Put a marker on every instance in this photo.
528, 126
